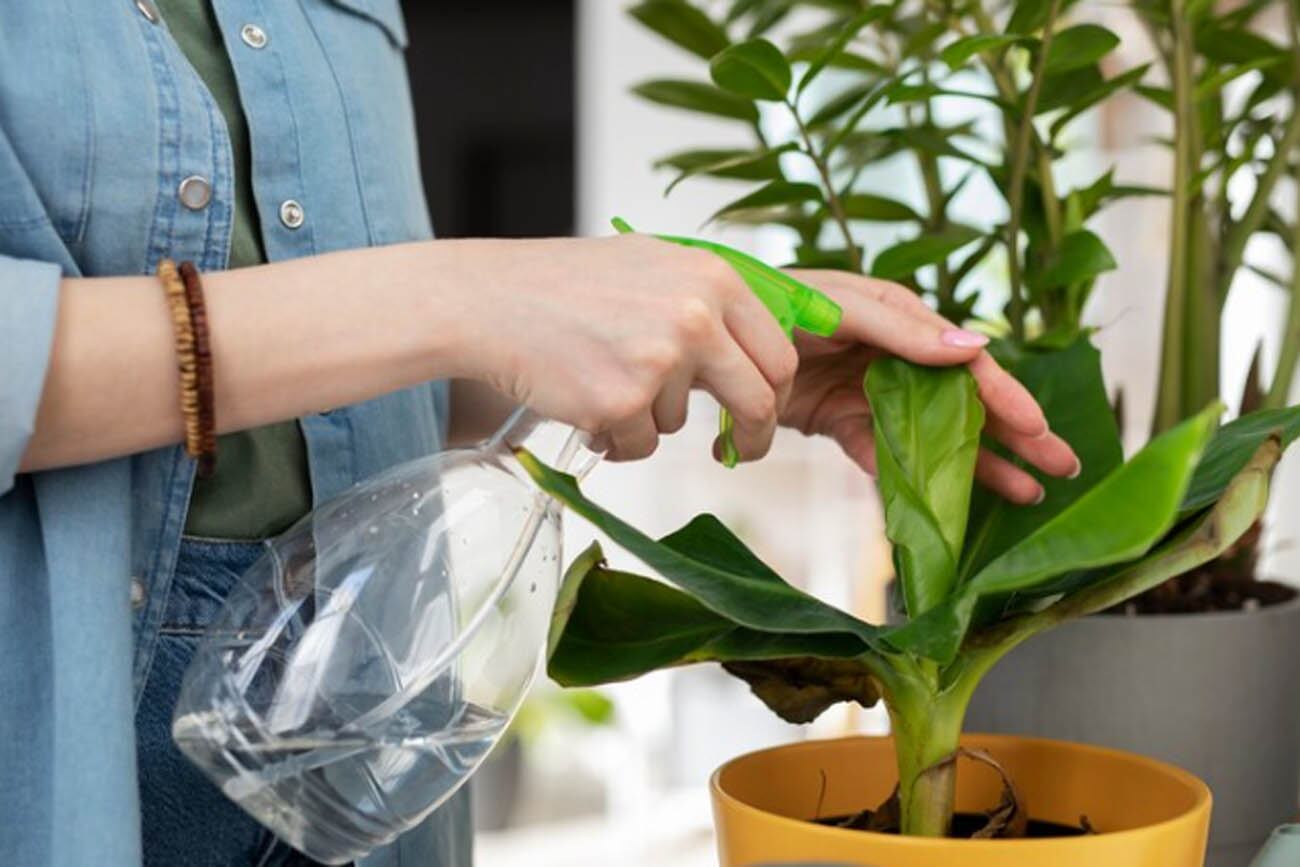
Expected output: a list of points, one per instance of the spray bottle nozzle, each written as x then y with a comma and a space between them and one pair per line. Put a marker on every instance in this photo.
794, 304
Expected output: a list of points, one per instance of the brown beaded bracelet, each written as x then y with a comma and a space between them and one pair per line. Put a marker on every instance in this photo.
207, 421
189, 331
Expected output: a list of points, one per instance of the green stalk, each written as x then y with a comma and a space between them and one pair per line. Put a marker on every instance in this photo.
926, 712
1020, 163
1289, 356
1173, 373
833, 202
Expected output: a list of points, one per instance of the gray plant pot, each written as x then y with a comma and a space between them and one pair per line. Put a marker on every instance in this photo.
1217, 694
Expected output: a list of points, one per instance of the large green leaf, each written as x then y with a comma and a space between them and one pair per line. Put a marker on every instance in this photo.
957, 53
705, 559
755, 69
905, 257
757, 165
1068, 385
697, 96
927, 424
1118, 520
616, 625
1232, 448
683, 24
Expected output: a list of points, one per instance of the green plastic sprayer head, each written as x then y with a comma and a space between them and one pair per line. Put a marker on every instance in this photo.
794, 304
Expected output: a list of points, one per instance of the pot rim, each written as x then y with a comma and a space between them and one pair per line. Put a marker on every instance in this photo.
1201, 792
1278, 610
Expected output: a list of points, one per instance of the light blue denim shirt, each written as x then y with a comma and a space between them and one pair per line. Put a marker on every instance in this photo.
101, 118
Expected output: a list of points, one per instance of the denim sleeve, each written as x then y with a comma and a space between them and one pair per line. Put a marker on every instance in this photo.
29, 301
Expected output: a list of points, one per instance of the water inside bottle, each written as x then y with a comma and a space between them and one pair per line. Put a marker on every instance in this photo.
358, 787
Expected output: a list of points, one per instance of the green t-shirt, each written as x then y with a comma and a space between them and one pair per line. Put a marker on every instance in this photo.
261, 484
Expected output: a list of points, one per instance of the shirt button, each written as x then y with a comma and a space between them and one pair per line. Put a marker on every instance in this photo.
291, 214
137, 594
195, 192
148, 10
253, 36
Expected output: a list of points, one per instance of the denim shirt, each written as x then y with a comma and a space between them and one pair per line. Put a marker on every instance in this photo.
101, 118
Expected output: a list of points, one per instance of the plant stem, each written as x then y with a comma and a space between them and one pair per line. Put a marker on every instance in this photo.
1020, 164
1169, 407
833, 201
1279, 390
926, 712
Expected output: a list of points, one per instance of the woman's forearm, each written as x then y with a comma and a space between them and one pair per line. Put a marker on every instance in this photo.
288, 339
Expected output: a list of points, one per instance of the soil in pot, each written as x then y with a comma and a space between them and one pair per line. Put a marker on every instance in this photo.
966, 825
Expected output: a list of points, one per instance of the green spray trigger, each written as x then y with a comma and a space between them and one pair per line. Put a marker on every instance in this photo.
794, 304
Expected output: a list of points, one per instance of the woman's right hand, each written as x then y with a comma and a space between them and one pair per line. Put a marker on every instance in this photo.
610, 335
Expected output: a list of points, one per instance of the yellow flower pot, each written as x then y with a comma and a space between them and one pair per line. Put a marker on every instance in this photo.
1146, 813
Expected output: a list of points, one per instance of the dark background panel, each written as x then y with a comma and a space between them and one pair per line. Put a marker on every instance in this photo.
493, 85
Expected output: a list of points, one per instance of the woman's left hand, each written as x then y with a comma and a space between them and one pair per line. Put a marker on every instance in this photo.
884, 318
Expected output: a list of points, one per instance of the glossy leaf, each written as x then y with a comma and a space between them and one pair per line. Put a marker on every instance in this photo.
1080, 45
837, 105
1232, 448
927, 425
697, 96
1069, 387
1068, 88
774, 194
683, 24
1081, 256
905, 257
1028, 16
1097, 95
881, 209
755, 69
705, 559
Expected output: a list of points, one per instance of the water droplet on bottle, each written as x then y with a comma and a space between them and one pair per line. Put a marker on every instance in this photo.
372, 530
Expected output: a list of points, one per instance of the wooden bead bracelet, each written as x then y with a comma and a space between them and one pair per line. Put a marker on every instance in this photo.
184, 294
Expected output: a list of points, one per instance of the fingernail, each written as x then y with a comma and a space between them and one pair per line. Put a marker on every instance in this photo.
1078, 468
1042, 495
963, 339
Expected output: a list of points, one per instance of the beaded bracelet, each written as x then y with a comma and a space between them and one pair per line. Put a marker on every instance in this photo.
207, 421
194, 364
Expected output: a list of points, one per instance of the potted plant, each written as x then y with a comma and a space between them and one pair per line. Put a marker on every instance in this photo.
944, 91
978, 578
1136, 681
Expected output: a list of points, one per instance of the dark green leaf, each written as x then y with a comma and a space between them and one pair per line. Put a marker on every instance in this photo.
707, 561
1069, 387
1097, 95
775, 194
1211, 85
1081, 256
1234, 45
927, 427
1161, 96
1232, 448
759, 165
816, 257
1066, 89
956, 54
756, 69
836, 46
683, 24
905, 257
1028, 16
697, 96
1077, 46
881, 209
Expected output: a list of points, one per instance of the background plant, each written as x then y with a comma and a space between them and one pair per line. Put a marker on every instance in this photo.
978, 577
970, 96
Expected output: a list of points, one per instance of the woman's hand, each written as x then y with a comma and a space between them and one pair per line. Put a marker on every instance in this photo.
882, 317
611, 334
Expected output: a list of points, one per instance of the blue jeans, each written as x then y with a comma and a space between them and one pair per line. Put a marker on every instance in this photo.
185, 818
187, 821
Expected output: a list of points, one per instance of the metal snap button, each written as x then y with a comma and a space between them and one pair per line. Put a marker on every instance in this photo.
137, 594
195, 192
253, 36
292, 214
148, 10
